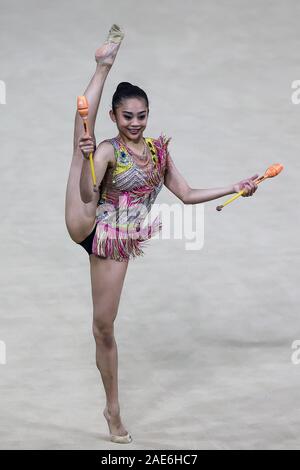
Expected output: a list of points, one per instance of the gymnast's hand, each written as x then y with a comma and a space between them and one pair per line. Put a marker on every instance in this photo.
248, 185
87, 144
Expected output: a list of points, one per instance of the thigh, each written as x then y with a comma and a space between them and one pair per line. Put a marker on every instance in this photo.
79, 216
107, 279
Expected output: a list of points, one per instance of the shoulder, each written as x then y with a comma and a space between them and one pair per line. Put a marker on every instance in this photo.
107, 151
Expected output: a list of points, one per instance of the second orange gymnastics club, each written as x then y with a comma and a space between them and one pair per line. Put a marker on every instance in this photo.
273, 170
83, 110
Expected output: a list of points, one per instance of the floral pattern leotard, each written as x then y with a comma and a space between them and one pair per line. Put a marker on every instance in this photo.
127, 193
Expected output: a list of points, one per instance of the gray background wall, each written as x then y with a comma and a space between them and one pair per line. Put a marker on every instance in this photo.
204, 337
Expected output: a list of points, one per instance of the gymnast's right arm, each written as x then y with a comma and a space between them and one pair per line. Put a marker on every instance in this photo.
102, 157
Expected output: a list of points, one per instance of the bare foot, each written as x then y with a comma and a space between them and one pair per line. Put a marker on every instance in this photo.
114, 423
106, 54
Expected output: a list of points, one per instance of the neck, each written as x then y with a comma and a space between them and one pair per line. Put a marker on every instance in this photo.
136, 143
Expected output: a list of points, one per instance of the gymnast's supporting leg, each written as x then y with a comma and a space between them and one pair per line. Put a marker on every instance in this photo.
80, 216
107, 278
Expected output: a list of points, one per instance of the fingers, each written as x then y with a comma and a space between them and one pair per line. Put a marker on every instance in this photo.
249, 188
86, 145
86, 151
86, 139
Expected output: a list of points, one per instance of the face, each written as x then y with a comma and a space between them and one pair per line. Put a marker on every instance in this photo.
131, 114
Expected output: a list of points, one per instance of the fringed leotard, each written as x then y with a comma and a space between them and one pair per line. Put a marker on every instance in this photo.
127, 193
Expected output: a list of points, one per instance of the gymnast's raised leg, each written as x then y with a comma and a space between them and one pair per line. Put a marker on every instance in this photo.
107, 275
80, 216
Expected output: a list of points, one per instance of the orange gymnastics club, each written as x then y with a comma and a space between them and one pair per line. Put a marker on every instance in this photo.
272, 171
83, 110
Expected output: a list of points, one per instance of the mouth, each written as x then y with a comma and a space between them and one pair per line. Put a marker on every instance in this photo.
134, 131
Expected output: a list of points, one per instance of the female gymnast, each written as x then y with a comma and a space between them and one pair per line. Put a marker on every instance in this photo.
130, 171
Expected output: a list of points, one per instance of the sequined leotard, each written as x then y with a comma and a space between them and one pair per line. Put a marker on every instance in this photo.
127, 193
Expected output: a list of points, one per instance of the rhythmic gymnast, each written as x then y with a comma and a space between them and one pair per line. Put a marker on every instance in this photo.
130, 171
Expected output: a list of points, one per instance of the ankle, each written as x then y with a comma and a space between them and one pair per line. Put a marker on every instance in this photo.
113, 409
102, 70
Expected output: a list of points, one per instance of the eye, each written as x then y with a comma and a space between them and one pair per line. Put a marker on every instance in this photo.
129, 117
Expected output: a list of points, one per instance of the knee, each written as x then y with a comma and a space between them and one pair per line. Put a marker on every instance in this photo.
103, 332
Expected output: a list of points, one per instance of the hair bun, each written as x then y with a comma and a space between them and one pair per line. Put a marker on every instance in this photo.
126, 90
124, 85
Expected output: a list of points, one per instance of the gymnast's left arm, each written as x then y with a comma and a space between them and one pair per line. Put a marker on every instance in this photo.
176, 183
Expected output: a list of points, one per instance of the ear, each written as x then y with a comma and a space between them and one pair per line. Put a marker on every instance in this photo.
112, 116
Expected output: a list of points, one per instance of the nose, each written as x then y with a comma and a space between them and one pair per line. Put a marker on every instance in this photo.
135, 122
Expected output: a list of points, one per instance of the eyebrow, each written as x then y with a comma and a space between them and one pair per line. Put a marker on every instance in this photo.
140, 112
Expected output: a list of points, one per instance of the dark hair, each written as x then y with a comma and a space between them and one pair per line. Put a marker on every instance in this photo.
127, 90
